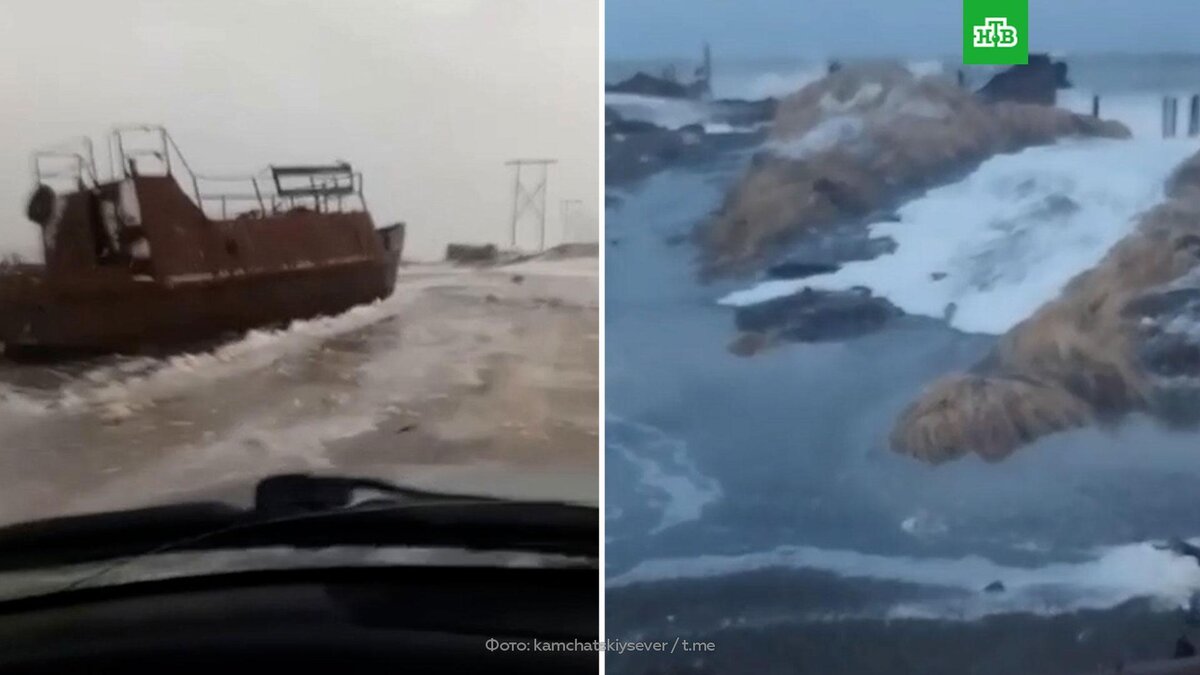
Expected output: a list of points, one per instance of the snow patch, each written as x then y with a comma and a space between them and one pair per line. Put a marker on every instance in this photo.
985, 252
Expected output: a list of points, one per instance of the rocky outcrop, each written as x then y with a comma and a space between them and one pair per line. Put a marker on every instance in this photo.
795, 269
635, 149
649, 85
1123, 336
856, 144
1037, 82
810, 316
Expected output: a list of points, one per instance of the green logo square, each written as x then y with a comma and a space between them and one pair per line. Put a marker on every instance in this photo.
995, 32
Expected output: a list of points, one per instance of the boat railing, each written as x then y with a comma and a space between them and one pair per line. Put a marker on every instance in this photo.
146, 149
226, 197
72, 162
330, 188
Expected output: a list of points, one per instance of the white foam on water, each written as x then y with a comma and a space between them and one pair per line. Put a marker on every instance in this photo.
134, 384
113, 385
299, 426
987, 251
924, 524
670, 113
830, 132
16, 403
726, 128
866, 94
770, 84
665, 471
926, 68
1111, 576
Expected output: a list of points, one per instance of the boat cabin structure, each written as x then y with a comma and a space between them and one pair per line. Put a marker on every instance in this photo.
157, 254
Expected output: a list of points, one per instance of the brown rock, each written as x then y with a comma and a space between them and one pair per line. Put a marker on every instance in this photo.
861, 141
1075, 360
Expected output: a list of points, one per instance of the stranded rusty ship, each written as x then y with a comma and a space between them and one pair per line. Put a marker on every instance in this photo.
136, 262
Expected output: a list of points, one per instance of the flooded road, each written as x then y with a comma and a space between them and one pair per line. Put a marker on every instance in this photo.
475, 380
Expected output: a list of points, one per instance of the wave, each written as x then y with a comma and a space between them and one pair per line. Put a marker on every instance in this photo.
926, 68
1112, 575
131, 384
121, 387
15, 402
671, 113
769, 84
985, 252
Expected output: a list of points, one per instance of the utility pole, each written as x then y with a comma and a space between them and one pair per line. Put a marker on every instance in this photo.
529, 195
704, 74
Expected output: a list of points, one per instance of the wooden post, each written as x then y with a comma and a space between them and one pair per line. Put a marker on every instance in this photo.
1096, 105
1170, 113
1194, 116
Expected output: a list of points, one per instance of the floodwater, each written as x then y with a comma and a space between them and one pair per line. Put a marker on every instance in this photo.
469, 380
754, 502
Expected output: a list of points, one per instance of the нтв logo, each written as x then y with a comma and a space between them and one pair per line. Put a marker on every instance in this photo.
996, 32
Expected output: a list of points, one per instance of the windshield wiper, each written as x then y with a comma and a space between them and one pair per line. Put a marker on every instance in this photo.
293, 493
304, 511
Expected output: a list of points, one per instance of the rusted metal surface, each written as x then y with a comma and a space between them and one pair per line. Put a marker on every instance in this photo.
134, 262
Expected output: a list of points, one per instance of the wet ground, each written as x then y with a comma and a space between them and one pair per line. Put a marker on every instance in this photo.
477, 380
749, 622
754, 503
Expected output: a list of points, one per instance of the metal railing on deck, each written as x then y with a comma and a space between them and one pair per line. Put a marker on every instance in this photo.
62, 162
326, 189
322, 188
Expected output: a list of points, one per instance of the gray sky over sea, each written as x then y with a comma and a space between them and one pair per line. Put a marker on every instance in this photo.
427, 97
816, 29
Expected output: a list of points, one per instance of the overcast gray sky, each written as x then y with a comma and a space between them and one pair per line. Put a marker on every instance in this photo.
821, 28
427, 97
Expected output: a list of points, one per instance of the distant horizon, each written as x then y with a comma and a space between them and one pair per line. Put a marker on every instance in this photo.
819, 29
767, 58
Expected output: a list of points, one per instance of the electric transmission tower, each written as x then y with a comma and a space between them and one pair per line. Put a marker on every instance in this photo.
529, 195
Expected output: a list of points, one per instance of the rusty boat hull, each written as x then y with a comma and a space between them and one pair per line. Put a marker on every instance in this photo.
136, 264
45, 319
